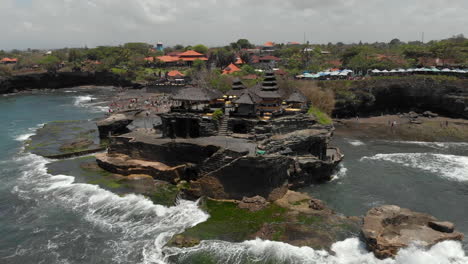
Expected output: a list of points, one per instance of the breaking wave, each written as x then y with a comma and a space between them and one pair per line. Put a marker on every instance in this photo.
355, 142
142, 226
86, 101
349, 251
80, 100
340, 173
436, 145
449, 166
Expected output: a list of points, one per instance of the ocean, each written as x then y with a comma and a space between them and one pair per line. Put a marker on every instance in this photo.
56, 219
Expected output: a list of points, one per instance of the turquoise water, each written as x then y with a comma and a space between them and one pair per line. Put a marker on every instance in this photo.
53, 219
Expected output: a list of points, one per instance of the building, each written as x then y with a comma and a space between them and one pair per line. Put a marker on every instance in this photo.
269, 94
159, 46
9, 61
231, 69
176, 58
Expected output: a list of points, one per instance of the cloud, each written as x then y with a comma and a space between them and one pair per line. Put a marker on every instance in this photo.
72, 23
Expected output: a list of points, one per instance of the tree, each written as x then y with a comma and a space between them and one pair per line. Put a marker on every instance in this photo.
242, 44
247, 69
246, 57
50, 63
138, 48
222, 57
74, 55
198, 65
200, 49
178, 47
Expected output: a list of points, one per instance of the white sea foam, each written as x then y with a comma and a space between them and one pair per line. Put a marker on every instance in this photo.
145, 227
85, 101
435, 145
356, 142
349, 251
340, 173
80, 100
24, 137
449, 166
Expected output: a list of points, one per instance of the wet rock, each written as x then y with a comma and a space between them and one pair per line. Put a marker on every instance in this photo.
430, 114
76, 145
389, 228
124, 165
183, 241
446, 227
253, 204
317, 204
115, 124
246, 176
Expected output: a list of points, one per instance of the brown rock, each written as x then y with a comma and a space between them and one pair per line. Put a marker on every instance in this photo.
125, 165
253, 204
317, 204
446, 227
389, 228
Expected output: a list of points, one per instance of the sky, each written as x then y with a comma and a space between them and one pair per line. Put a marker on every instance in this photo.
77, 23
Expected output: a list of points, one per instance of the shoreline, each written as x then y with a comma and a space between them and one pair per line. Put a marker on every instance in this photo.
423, 129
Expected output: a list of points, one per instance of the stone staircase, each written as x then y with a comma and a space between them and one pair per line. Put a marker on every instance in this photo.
223, 127
217, 161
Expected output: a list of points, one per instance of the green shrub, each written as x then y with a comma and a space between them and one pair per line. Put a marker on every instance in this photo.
321, 117
218, 114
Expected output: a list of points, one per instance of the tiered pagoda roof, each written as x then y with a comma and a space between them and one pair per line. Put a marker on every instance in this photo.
237, 88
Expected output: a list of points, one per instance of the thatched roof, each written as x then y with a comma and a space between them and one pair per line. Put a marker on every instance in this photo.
267, 94
248, 97
297, 97
197, 94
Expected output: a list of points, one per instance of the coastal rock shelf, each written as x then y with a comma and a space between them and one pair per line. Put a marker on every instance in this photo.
389, 228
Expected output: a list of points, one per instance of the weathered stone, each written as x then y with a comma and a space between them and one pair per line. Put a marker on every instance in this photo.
115, 124
253, 204
446, 227
124, 165
316, 204
77, 145
430, 114
246, 177
389, 228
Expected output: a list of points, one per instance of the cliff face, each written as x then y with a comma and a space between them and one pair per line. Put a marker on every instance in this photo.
376, 96
18, 83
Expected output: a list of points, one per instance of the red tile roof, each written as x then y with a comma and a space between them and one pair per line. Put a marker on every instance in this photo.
239, 61
168, 58
149, 59
294, 43
269, 44
231, 69
9, 60
175, 73
191, 53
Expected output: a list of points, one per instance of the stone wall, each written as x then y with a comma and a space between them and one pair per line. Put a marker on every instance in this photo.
188, 125
172, 154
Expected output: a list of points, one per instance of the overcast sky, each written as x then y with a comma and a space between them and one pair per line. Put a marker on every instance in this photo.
76, 23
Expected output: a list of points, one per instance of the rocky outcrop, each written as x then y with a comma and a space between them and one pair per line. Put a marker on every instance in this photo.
57, 80
393, 95
253, 204
389, 228
300, 142
162, 150
115, 124
265, 176
125, 165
